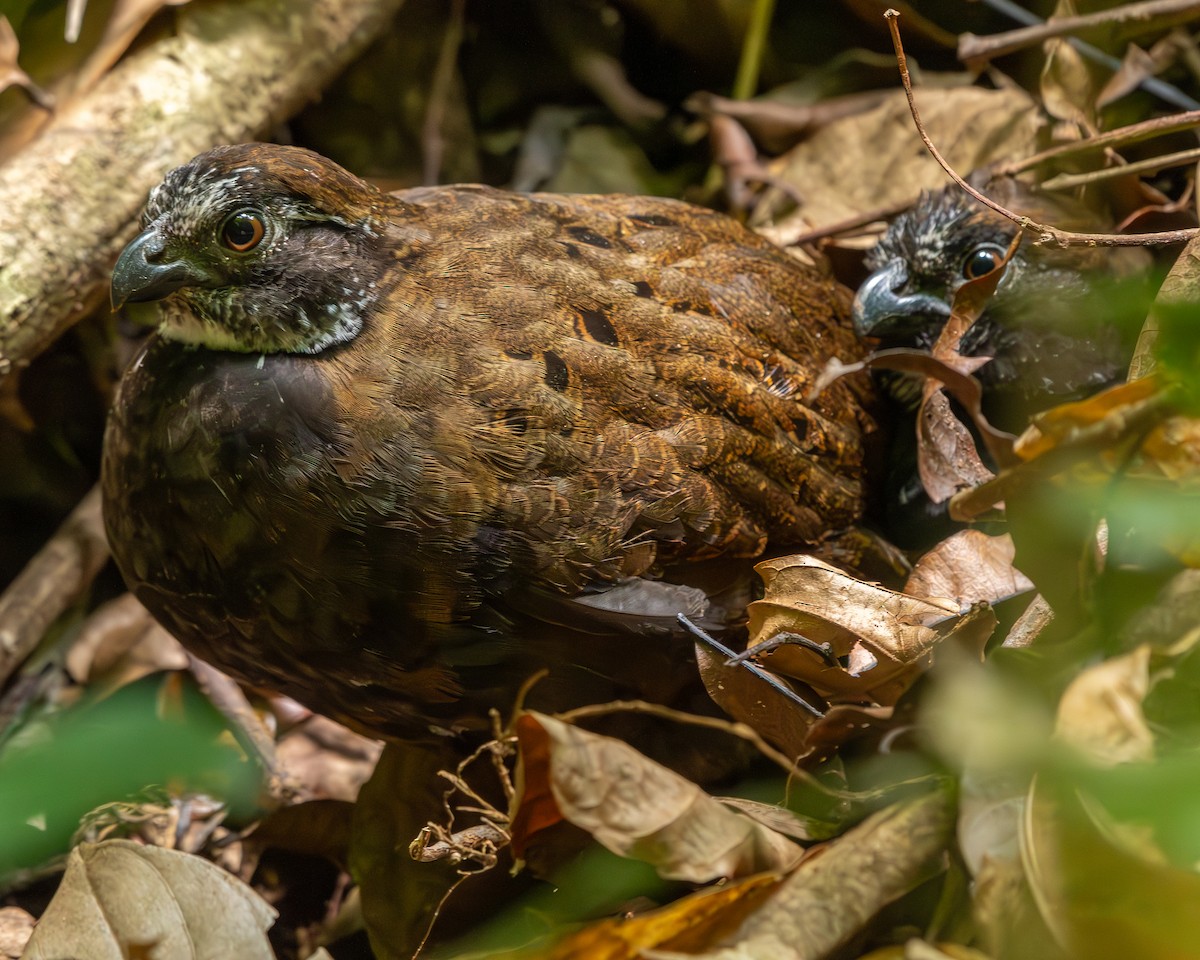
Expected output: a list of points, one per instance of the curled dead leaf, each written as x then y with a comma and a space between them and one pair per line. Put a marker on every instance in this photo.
828, 899
634, 807
863, 642
119, 897
969, 566
1100, 713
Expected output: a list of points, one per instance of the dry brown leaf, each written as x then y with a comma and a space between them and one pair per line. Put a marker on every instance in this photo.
946, 456
1100, 713
1060, 424
968, 567
118, 898
883, 637
1136, 66
634, 807
1066, 83
752, 700
327, 759
780, 819
830, 897
877, 160
120, 643
953, 373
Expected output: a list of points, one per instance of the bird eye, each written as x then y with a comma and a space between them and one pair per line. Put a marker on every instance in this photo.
242, 231
981, 261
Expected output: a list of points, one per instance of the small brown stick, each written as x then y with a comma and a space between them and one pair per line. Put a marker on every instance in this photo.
1065, 181
227, 696
1149, 14
734, 728
1029, 626
57, 575
853, 224
1044, 234
1121, 137
433, 141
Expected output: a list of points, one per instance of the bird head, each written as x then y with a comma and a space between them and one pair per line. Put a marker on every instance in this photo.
256, 248
1057, 327
946, 240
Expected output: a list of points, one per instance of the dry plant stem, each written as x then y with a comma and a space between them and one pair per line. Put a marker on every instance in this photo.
1066, 181
1030, 624
460, 845
741, 730
58, 575
852, 225
225, 694
972, 47
922, 26
1122, 136
433, 144
71, 198
1044, 234
750, 65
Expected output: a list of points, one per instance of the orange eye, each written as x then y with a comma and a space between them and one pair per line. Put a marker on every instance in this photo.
981, 261
242, 231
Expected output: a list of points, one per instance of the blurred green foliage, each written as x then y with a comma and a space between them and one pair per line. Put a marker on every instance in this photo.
63, 765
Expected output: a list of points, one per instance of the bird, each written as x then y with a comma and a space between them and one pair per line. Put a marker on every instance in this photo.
1050, 337
393, 454
1059, 327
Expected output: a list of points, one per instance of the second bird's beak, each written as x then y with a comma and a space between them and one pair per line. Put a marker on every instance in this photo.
141, 274
880, 310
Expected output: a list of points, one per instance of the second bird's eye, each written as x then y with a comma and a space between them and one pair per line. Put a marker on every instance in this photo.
242, 231
981, 261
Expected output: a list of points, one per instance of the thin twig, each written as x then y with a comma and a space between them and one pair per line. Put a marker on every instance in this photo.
1166, 92
1044, 234
227, 696
972, 47
1065, 181
742, 731
853, 225
433, 139
1121, 137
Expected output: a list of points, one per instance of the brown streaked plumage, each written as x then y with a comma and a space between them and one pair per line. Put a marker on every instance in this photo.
364, 455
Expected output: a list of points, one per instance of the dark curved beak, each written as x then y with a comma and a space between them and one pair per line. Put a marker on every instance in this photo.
141, 274
880, 310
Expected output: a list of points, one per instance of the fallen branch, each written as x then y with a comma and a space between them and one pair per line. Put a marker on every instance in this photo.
54, 579
1150, 15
